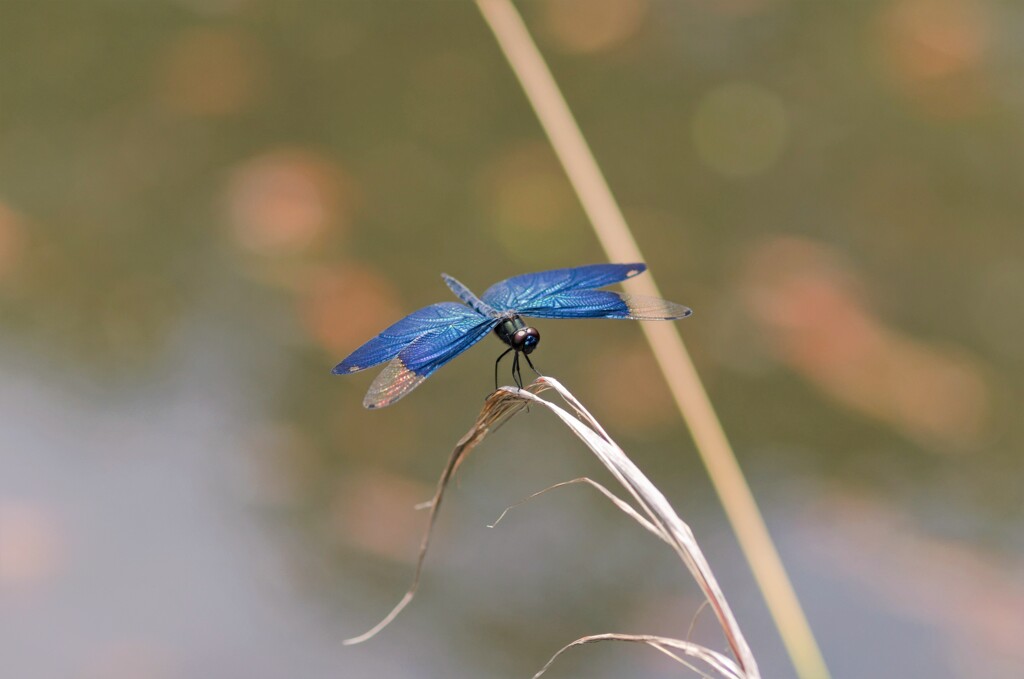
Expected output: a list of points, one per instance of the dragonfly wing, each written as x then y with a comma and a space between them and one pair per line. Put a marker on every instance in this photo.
524, 291
424, 355
605, 304
388, 343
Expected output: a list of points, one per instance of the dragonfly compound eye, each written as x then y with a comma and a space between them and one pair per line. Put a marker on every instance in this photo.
530, 339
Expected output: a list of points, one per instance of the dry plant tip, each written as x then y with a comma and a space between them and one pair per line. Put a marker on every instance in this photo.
533, 495
693, 620
617, 501
722, 665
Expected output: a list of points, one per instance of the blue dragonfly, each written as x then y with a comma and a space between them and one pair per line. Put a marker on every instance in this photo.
425, 340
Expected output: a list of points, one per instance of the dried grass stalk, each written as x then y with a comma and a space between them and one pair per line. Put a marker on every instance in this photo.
716, 661
654, 514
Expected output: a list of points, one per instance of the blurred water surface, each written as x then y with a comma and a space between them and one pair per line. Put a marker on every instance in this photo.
204, 205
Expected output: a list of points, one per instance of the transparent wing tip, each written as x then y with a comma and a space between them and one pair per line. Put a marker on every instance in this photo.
653, 309
394, 382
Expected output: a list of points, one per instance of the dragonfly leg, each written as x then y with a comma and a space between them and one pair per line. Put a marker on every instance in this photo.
516, 374
496, 367
527, 357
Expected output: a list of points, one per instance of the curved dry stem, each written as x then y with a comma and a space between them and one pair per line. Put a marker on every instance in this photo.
718, 662
617, 501
655, 515
693, 620
653, 504
496, 411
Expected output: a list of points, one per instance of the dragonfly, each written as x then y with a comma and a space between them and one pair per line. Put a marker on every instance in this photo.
416, 346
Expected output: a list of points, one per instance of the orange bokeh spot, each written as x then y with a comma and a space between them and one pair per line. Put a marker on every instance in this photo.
30, 545
933, 50
283, 201
375, 512
210, 73
593, 25
12, 242
809, 303
343, 307
129, 659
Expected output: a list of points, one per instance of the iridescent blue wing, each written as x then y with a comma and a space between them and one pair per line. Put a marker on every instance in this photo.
524, 291
418, 361
604, 304
388, 343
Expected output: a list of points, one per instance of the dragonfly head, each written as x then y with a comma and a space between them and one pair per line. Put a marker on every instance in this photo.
525, 340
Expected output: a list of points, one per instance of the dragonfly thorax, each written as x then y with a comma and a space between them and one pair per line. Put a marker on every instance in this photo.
515, 333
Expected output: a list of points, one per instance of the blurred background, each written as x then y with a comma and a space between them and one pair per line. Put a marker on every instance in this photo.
205, 204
